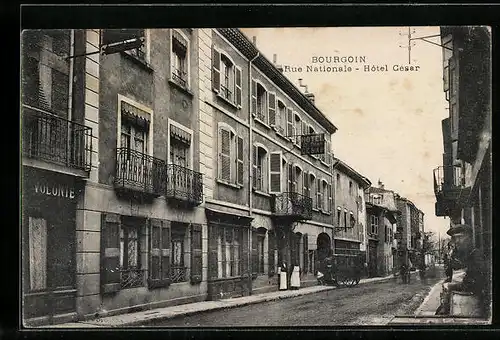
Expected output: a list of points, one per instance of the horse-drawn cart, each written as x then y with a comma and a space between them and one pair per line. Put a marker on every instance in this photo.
341, 270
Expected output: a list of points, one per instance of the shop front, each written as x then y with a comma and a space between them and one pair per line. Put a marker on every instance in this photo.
48, 244
229, 270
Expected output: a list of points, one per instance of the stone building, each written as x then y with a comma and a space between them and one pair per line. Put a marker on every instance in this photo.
381, 214
409, 233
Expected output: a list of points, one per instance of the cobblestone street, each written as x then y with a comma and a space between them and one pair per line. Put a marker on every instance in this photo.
369, 304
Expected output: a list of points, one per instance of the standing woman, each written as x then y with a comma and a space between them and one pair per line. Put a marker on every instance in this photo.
448, 267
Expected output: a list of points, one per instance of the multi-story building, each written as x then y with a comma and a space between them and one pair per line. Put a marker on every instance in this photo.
381, 218
263, 197
409, 233
462, 184
59, 157
350, 209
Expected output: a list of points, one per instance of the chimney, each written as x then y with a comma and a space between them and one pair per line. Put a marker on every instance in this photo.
275, 61
380, 184
254, 40
310, 96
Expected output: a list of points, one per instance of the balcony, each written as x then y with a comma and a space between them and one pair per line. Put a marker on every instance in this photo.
49, 138
184, 185
292, 206
448, 182
138, 172
179, 77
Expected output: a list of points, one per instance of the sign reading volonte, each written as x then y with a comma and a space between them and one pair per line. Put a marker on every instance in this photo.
54, 190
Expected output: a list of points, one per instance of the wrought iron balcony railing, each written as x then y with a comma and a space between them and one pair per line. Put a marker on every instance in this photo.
179, 77
293, 205
261, 115
131, 278
184, 184
48, 137
448, 181
178, 274
137, 171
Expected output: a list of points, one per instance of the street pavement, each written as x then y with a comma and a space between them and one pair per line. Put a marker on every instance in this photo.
374, 303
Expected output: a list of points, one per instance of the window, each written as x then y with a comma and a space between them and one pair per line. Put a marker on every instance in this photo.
45, 70
261, 112
339, 213
290, 126
229, 241
297, 180
226, 78
350, 188
326, 195
319, 193
275, 172
180, 145
178, 263
353, 219
297, 129
260, 168
338, 181
180, 59
230, 162
312, 190
130, 260
258, 237
280, 125
374, 225
345, 219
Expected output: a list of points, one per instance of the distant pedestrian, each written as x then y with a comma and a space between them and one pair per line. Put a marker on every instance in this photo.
448, 264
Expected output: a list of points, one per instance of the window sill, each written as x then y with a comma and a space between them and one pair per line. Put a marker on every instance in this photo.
143, 63
232, 185
279, 133
262, 123
326, 213
315, 209
227, 101
180, 87
262, 193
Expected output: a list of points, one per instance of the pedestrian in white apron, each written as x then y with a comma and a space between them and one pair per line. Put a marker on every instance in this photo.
283, 277
295, 279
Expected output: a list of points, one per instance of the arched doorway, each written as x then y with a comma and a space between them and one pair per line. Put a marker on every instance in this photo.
324, 246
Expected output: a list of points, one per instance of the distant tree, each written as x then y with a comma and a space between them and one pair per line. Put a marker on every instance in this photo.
434, 244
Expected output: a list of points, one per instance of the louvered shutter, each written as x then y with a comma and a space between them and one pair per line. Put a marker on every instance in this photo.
305, 180
289, 121
159, 253
212, 251
238, 86
215, 70
290, 177
225, 155
306, 253
294, 178
239, 161
196, 254
110, 253
165, 252
272, 108
330, 198
244, 253
255, 255
254, 97
319, 193
254, 166
275, 172
271, 239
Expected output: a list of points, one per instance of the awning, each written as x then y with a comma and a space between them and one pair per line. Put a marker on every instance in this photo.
135, 115
227, 218
179, 40
180, 135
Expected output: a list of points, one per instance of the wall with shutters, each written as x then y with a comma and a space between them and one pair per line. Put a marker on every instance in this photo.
120, 74
347, 200
230, 193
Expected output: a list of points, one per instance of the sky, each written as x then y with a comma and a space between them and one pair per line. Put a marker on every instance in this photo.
389, 123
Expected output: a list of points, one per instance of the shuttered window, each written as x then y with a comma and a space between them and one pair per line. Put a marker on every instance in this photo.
196, 254
312, 190
237, 86
290, 178
254, 98
159, 253
275, 170
272, 108
225, 155
330, 198
260, 169
226, 249
239, 160
305, 183
319, 194
110, 253
215, 70
326, 197
290, 127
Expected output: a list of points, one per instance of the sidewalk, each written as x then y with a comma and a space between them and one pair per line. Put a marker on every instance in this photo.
140, 318
425, 313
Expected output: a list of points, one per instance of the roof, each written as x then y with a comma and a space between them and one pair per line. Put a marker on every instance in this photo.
245, 46
388, 201
344, 167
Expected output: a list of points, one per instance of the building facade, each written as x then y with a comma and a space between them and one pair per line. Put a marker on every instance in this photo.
381, 218
462, 184
350, 209
258, 185
166, 172
409, 233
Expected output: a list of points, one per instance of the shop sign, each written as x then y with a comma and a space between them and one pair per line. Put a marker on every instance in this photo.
54, 190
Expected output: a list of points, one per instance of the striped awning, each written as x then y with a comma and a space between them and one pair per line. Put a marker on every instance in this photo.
180, 135
135, 115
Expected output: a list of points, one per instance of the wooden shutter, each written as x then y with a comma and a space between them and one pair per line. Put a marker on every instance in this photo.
212, 251
237, 80
254, 166
290, 177
255, 255
330, 198
305, 180
225, 155
272, 108
275, 170
306, 253
215, 70
244, 253
239, 161
159, 253
271, 239
319, 193
196, 254
110, 253
289, 123
254, 97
